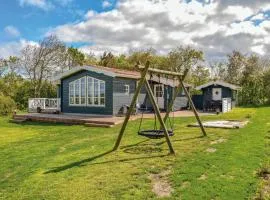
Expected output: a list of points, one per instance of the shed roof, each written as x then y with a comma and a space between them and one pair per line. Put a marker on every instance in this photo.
114, 72
222, 83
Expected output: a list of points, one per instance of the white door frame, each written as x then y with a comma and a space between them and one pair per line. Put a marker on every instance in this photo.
159, 95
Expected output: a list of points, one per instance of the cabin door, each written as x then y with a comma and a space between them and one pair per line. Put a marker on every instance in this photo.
217, 94
159, 95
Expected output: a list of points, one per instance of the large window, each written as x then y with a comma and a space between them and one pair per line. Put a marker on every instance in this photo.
87, 91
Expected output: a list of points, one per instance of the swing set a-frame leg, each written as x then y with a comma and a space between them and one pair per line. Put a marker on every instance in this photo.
192, 106
156, 108
132, 105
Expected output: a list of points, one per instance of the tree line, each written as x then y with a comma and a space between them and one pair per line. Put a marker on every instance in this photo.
30, 75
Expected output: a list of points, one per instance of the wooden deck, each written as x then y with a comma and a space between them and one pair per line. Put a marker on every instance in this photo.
87, 120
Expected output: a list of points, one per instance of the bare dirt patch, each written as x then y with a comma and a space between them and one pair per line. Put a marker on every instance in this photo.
264, 192
202, 177
211, 150
160, 184
185, 184
220, 140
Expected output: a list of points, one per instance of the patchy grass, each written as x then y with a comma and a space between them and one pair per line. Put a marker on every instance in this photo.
47, 161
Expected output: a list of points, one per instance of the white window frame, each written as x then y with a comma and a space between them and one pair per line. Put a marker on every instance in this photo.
86, 92
127, 89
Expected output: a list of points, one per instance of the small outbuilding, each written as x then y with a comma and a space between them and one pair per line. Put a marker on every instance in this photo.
216, 96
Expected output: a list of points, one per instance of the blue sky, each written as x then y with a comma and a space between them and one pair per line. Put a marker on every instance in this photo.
215, 26
33, 22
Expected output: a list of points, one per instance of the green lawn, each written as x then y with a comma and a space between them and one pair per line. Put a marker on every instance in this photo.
47, 161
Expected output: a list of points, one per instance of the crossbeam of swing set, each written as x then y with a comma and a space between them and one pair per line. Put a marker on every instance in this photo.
159, 71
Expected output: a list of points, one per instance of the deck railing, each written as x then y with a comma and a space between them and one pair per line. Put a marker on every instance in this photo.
36, 104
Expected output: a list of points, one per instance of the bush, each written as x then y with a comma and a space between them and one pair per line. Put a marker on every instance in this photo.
7, 105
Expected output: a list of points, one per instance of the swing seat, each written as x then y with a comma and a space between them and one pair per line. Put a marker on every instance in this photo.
154, 134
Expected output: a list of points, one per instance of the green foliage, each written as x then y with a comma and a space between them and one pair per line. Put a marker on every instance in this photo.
75, 57
7, 105
20, 90
251, 74
266, 85
183, 58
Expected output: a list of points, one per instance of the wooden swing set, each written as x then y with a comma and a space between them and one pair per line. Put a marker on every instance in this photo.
145, 71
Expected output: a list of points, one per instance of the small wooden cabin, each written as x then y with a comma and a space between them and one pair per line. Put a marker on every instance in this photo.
214, 94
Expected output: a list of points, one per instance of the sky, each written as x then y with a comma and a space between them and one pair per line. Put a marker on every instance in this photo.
215, 26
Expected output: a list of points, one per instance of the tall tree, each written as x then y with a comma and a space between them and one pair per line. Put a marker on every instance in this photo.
218, 71
199, 75
236, 64
107, 60
74, 57
90, 59
41, 61
183, 58
252, 92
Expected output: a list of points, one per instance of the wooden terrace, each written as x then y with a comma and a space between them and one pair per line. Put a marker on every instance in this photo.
88, 120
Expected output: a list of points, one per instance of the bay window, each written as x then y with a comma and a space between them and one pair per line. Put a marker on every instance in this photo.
87, 91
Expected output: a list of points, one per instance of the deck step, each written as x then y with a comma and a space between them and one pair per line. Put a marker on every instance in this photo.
19, 117
18, 121
99, 122
98, 125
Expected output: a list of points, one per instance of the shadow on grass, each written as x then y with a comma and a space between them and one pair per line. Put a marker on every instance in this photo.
183, 139
77, 164
89, 160
132, 145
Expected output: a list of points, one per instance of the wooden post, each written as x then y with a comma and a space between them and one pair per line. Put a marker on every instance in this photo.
132, 105
176, 92
156, 108
192, 106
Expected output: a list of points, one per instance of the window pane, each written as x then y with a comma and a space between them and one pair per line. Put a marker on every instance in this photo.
83, 91
102, 89
77, 88
102, 101
96, 101
96, 88
90, 91
71, 89
82, 100
71, 100
90, 101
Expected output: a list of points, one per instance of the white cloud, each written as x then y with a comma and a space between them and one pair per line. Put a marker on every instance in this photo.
259, 49
12, 31
13, 48
89, 14
215, 26
43, 4
106, 4
239, 12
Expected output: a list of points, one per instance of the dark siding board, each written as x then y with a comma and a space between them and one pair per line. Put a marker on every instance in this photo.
107, 110
143, 98
120, 99
198, 101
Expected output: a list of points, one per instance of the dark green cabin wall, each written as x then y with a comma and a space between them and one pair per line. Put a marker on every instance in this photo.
120, 99
107, 110
226, 93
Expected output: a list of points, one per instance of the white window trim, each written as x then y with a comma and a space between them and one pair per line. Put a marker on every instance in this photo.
127, 89
86, 104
